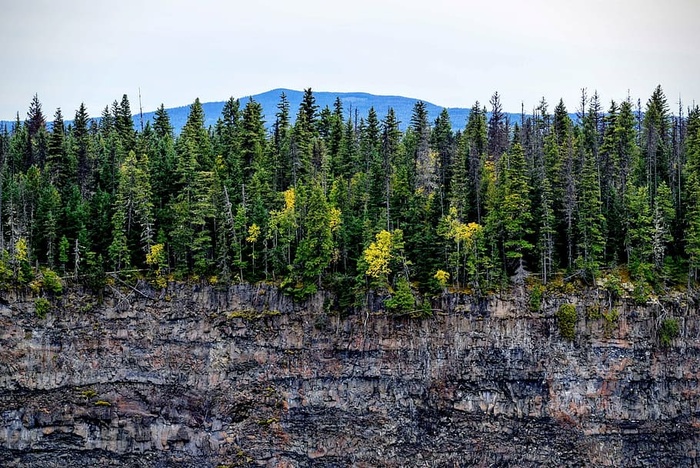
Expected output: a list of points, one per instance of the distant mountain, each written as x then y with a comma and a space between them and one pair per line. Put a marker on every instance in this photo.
352, 103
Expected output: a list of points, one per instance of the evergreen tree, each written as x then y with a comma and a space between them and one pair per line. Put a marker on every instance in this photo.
316, 242
692, 196
664, 215
252, 138
638, 240
655, 141
124, 124
161, 123
497, 129
81, 150
443, 143
195, 138
590, 220
281, 146
418, 145
515, 209
391, 139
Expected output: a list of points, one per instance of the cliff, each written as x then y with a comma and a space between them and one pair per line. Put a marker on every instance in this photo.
205, 378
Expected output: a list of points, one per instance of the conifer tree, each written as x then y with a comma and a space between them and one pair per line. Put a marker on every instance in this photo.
663, 217
252, 138
443, 144
515, 209
391, 136
81, 150
418, 145
655, 141
590, 220
692, 196
315, 248
124, 124
281, 156
497, 129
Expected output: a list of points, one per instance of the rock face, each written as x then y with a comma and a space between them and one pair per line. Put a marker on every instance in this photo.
246, 377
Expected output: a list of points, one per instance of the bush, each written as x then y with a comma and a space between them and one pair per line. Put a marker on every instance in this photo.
566, 319
52, 282
41, 307
402, 300
668, 331
613, 285
611, 318
536, 294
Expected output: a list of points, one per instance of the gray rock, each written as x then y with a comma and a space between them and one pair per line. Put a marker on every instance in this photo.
200, 377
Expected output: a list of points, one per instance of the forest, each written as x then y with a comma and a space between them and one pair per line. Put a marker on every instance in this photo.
611, 196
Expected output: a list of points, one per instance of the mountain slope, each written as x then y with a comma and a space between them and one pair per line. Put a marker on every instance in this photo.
354, 105
352, 102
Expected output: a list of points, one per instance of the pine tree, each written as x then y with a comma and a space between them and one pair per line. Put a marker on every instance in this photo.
281, 146
315, 248
81, 150
60, 165
124, 124
515, 208
590, 220
37, 144
391, 140
418, 145
133, 206
443, 143
655, 141
303, 137
252, 138
497, 129
195, 138
664, 215
161, 123
638, 240
692, 196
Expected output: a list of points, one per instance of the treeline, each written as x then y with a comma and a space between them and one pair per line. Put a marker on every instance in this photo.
355, 204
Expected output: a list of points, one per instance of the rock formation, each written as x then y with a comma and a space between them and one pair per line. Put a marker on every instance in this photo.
200, 377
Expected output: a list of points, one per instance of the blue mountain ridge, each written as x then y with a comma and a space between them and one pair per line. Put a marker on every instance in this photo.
353, 103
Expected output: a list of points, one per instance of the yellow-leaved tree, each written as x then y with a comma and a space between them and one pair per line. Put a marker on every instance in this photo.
382, 254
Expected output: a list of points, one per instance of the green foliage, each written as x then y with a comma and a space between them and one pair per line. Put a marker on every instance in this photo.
613, 285
42, 306
6, 273
611, 318
641, 293
88, 393
327, 197
668, 331
536, 294
566, 320
48, 281
402, 300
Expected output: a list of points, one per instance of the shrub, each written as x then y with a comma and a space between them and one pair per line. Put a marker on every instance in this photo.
613, 285
668, 331
611, 317
566, 319
402, 300
42, 307
536, 294
50, 281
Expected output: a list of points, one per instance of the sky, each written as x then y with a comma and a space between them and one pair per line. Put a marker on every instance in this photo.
448, 52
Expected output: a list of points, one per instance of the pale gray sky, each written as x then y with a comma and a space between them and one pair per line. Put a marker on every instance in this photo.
448, 52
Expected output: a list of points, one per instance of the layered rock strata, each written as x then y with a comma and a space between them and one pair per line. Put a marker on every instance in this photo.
200, 377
